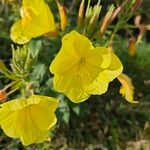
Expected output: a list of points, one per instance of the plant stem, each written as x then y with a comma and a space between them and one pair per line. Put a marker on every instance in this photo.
14, 90
117, 27
9, 85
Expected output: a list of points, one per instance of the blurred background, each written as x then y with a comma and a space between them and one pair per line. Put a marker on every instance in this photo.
106, 122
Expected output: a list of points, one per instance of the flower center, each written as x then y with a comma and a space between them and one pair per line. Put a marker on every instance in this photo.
82, 60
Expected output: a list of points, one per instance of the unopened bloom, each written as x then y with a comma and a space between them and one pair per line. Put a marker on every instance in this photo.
3, 95
63, 15
81, 14
28, 119
132, 46
79, 68
37, 19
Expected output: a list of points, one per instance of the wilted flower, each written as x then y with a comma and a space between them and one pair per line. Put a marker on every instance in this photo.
79, 66
37, 19
127, 88
28, 119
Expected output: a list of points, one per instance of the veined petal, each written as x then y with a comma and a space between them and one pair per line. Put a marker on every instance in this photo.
8, 123
72, 86
28, 131
46, 113
79, 42
100, 85
17, 33
28, 119
66, 54
115, 68
74, 46
99, 57
37, 19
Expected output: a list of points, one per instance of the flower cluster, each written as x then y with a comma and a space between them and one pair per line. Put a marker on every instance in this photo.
80, 70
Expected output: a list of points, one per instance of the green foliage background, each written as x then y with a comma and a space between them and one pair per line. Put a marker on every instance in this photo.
102, 122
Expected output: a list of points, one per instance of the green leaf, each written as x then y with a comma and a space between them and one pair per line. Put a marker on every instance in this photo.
76, 110
66, 117
3, 68
34, 48
64, 111
38, 73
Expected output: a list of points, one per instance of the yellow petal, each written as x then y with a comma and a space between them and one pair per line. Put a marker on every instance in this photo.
127, 88
37, 20
33, 3
71, 51
100, 85
17, 33
71, 85
8, 123
100, 57
74, 38
115, 68
28, 119
28, 131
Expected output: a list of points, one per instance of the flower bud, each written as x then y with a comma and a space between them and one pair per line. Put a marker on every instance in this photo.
63, 15
142, 29
106, 21
3, 95
136, 5
132, 46
81, 14
137, 21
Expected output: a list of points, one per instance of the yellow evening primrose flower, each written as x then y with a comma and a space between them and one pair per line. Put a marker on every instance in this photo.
81, 70
29, 119
127, 88
36, 20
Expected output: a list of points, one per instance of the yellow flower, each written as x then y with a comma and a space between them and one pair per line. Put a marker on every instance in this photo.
37, 19
79, 68
28, 119
127, 88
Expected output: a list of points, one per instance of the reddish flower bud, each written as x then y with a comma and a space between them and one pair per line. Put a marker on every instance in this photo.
3, 95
